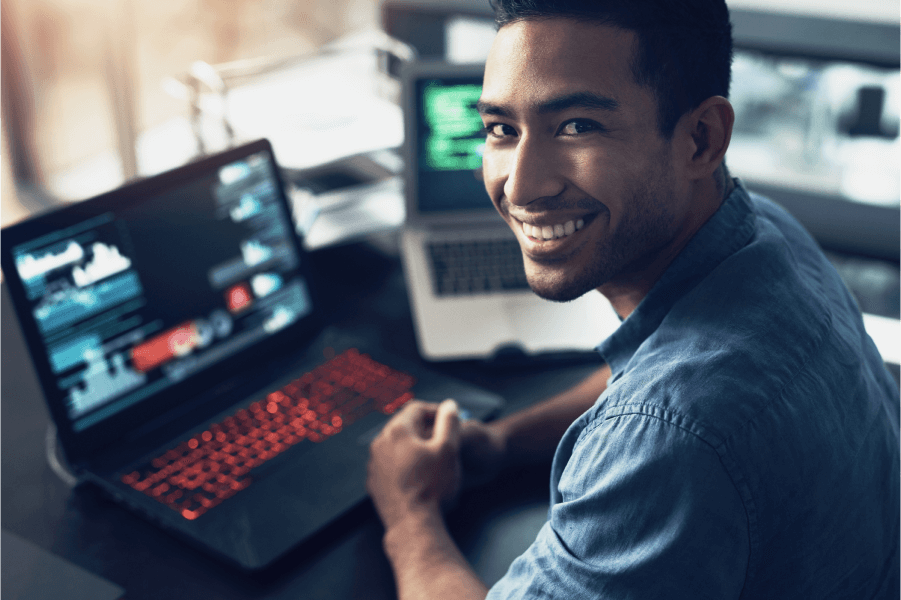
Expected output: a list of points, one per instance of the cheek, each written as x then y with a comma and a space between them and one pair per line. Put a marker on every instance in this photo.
493, 175
599, 174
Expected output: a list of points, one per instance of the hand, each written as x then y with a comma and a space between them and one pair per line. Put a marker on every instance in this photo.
414, 463
483, 452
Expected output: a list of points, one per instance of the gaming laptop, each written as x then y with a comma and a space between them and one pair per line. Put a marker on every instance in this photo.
174, 328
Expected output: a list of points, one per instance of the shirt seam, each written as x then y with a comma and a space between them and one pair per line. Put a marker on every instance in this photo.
732, 468
600, 418
751, 522
720, 442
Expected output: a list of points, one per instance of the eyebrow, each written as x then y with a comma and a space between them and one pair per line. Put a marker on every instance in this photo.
586, 100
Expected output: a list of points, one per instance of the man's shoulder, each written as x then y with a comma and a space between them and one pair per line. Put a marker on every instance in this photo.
768, 312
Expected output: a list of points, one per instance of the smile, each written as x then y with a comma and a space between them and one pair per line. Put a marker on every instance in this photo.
550, 232
555, 231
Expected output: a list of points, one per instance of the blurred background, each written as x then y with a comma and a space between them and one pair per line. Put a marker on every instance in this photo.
85, 82
98, 92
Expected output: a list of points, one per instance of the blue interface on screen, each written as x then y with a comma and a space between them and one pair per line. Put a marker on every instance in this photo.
133, 300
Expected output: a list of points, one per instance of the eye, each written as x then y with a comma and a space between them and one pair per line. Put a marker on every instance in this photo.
499, 130
579, 126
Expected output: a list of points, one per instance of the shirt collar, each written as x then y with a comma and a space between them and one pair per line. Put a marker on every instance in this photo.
728, 230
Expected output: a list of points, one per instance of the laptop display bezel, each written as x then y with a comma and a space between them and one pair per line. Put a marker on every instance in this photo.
80, 446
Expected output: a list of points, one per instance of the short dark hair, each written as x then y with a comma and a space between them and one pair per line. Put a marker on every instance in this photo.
684, 47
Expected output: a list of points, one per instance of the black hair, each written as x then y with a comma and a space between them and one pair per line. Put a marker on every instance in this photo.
684, 47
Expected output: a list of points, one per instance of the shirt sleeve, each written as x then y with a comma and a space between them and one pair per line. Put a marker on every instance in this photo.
646, 510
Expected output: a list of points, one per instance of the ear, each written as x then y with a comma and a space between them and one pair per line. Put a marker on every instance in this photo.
705, 133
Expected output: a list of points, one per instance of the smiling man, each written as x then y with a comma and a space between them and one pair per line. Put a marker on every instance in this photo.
741, 440
576, 163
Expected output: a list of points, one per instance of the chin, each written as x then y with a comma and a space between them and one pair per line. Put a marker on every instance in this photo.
559, 288
556, 295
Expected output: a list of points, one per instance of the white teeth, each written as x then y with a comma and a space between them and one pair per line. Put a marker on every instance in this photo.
550, 232
531, 231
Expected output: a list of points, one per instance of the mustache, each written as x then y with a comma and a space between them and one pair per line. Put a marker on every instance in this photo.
551, 203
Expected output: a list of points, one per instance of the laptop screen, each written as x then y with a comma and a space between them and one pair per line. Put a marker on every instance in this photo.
130, 296
449, 145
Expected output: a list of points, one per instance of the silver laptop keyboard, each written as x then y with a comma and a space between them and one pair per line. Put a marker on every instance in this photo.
476, 267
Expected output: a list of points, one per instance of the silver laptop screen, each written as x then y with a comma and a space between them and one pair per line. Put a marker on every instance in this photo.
450, 141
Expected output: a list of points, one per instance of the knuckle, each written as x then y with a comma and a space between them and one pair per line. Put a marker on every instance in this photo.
384, 438
415, 406
445, 449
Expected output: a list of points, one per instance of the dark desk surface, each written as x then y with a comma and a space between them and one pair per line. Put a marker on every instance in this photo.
492, 524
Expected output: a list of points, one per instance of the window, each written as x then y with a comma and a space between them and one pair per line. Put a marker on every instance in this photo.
91, 101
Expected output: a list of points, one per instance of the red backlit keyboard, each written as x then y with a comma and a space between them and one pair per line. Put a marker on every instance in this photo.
214, 465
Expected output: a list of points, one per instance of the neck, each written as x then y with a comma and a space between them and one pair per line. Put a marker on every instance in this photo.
628, 289
724, 182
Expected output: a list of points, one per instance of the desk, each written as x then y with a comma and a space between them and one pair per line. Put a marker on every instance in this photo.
491, 524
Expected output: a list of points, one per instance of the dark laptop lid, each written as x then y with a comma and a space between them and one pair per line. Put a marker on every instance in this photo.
135, 302
444, 142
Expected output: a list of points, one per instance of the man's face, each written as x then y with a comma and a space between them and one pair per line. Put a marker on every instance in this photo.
573, 159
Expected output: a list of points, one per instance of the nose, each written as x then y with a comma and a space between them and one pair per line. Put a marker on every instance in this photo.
532, 172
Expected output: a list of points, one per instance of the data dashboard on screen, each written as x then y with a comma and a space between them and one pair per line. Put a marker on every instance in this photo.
137, 298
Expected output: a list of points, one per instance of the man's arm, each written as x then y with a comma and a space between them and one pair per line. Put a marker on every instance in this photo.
426, 562
531, 435
415, 466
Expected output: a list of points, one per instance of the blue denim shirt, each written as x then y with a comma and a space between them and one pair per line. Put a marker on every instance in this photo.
746, 445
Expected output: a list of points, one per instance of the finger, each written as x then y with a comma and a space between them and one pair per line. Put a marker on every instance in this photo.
415, 411
416, 417
447, 424
470, 428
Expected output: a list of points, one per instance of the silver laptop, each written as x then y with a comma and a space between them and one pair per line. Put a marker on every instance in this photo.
462, 264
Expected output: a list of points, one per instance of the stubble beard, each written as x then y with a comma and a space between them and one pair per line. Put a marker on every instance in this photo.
647, 227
